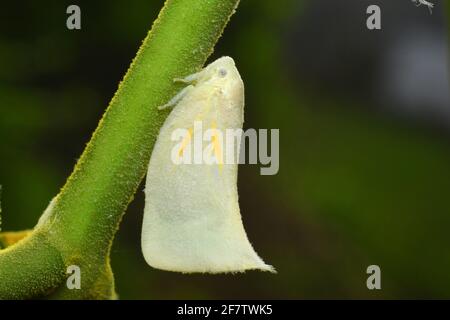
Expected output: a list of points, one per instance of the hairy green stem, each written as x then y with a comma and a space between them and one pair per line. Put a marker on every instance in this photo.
79, 225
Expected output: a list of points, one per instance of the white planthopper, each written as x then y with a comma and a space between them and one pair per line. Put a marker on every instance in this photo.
192, 221
425, 3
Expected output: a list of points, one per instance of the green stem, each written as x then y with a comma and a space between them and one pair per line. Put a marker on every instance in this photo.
81, 223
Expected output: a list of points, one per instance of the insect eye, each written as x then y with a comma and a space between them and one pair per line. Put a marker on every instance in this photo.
222, 73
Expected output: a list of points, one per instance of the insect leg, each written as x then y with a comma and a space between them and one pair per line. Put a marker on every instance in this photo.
189, 79
177, 98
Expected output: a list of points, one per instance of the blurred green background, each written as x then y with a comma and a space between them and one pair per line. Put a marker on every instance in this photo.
364, 119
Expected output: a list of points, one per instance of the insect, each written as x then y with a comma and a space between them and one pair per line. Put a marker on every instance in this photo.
192, 221
418, 3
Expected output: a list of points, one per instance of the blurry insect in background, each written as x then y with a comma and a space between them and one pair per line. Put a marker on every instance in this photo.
418, 3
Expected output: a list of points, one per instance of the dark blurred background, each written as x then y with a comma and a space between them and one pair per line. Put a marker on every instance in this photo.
364, 120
